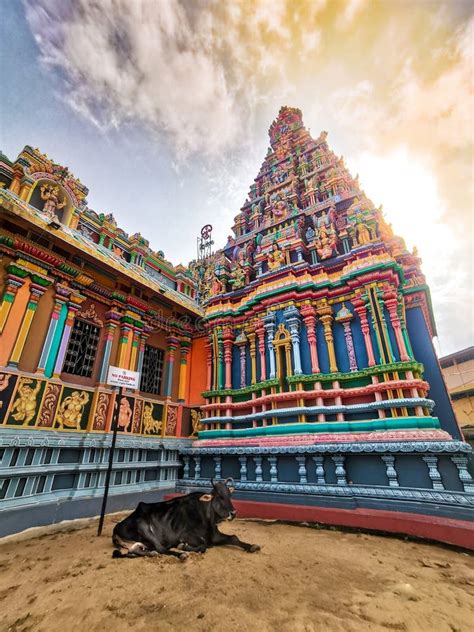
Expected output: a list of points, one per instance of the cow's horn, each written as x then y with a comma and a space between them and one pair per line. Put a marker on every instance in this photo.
229, 480
212, 482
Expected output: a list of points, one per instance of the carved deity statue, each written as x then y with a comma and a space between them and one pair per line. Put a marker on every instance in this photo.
50, 194
196, 416
70, 411
150, 424
276, 258
237, 277
24, 406
279, 208
125, 414
362, 234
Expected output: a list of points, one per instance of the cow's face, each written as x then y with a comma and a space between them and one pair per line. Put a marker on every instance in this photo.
221, 501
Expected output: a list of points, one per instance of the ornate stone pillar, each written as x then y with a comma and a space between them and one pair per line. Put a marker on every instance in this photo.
26, 185
126, 333
292, 317
12, 285
220, 359
432, 463
209, 365
320, 474
144, 335
260, 330
361, 311
243, 468
172, 344
135, 348
60, 300
36, 292
391, 302
269, 324
273, 469
384, 333
309, 318
460, 461
258, 469
111, 324
253, 357
74, 303
185, 344
339, 460
389, 461
241, 342
217, 467
325, 316
228, 338
344, 316
302, 469
17, 176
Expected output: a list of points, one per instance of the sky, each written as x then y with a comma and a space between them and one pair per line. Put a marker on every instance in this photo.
162, 109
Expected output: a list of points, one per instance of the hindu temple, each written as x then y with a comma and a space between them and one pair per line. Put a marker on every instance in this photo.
296, 359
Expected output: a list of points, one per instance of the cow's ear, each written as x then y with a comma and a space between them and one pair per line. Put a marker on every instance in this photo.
205, 498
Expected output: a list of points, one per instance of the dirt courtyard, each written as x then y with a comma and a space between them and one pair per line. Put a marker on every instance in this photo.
303, 579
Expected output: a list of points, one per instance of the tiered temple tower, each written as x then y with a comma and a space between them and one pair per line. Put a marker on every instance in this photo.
322, 382
297, 360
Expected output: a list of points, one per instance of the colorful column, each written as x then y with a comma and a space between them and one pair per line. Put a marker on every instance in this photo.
185, 344
62, 293
260, 330
406, 338
253, 357
228, 338
241, 342
125, 341
172, 345
269, 324
391, 302
13, 284
325, 316
376, 296
36, 292
309, 318
292, 317
132, 364
73, 306
361, 311
220, 359
112, 322
344, 316
209, 365
141, 351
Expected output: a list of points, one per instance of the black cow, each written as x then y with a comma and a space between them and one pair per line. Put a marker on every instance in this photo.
186, 523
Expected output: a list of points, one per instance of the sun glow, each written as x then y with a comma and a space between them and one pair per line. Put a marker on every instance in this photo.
411, 203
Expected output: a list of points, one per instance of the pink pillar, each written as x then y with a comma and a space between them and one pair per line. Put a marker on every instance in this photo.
391, 302
228, 340
361, 311
308, 314
261, 350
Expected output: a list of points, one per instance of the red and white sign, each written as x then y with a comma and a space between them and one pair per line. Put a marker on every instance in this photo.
123, 377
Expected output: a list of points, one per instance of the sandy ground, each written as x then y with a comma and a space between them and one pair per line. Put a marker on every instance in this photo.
303, 579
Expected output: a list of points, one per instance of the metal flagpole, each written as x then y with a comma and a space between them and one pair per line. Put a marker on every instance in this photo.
111, 459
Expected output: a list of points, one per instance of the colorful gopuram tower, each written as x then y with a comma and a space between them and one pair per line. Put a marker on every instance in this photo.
323, 389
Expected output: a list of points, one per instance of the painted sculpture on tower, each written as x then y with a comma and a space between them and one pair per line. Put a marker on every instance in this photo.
52, 200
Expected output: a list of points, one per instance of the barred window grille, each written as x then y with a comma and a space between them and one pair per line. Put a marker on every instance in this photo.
82, 349
152, 370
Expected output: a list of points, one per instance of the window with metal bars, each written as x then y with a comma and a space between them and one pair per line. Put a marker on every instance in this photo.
82, 349
152, 370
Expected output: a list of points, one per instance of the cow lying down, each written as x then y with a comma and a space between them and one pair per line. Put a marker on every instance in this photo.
174, 527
